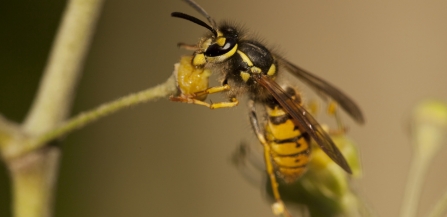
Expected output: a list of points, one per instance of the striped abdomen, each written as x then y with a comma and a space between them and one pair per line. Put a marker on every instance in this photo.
290, 148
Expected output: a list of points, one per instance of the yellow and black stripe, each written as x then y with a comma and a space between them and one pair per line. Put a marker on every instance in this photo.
290, 146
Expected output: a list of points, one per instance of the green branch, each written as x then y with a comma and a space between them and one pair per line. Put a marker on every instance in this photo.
54, 97
162, 90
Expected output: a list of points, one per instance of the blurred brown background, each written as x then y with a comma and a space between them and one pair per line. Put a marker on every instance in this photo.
172, 159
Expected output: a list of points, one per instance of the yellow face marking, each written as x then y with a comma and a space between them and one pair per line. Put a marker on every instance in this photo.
204, 45
245, 58
272, 70
245, 76
222, 57
199, 59
221, 41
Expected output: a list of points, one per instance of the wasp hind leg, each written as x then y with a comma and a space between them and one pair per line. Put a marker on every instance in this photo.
278, 208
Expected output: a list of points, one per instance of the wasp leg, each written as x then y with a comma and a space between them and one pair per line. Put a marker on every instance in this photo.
191, 47
278, 207
212, 90
313, 107
332, 111
233, 101
193, 99
188, 99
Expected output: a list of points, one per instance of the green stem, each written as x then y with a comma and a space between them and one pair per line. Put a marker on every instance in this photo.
54, 97
79, 121
33, 181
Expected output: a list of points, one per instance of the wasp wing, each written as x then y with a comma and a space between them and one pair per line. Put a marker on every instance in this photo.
305, 120
320, 85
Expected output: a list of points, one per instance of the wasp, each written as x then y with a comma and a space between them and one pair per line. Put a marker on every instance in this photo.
247, 67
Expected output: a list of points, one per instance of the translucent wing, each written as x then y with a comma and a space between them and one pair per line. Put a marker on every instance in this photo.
320, 85
305, 120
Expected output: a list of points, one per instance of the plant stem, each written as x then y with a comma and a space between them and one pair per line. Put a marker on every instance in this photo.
79, 121
34, 175
29, 145
33, 182
55, 94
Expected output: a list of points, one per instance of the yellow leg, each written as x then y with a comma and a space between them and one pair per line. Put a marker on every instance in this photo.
332, 111
192, 99
188, 99
212, 90
234, 102
278, 207
332, 108
313, 107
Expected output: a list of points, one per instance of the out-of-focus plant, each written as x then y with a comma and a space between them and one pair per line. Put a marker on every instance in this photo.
428, 127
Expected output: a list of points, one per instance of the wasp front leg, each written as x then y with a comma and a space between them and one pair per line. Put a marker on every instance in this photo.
192, 83
233, 101
192, 100
196, 98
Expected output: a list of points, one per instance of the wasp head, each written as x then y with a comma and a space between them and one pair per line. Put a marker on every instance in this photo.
217, 47
221, 47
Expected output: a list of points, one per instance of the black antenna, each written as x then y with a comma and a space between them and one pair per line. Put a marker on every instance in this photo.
202, 11
194, 20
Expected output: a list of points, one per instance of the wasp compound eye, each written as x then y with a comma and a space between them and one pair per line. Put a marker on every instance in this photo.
216, 50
